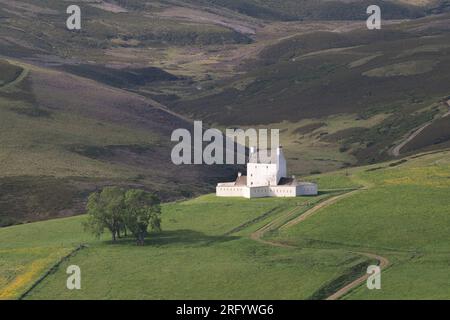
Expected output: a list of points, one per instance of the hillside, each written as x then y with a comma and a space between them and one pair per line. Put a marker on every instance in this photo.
81, 110
383, 84
64, 136
365, 114
397, 210
326, 9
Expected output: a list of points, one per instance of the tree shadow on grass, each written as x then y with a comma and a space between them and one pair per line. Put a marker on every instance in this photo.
183, 237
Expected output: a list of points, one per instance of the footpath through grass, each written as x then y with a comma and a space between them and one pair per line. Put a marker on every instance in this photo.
205, 251
404, 215
197, 256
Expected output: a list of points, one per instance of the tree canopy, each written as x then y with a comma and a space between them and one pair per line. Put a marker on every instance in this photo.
118, 210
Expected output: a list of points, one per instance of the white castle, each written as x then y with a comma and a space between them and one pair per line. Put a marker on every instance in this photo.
266, 178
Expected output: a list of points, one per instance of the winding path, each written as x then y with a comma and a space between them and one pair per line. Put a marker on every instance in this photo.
383, 263
395, 151
274, 224
17, 80
316, 208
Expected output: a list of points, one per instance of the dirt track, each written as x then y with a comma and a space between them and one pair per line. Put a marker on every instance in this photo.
316, 208
273, 225
396, 150
382, 263
258, 234
19, 78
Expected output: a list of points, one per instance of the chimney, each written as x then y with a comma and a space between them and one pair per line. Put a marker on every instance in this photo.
279, 150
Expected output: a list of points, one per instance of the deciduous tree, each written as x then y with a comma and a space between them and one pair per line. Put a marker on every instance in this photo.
106, 211
142, 211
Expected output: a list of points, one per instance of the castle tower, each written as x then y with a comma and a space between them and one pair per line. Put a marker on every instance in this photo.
265, 172
281, 164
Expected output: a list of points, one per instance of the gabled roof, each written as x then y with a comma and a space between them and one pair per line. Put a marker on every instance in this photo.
241, 181
287, 182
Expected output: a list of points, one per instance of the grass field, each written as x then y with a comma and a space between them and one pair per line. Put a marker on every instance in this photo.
202, 253
403, 215
205, 252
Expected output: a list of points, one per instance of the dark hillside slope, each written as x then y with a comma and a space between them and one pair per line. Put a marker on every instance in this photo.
125, 77
64, 136
322, 9
435, 136
401, 71
350, 79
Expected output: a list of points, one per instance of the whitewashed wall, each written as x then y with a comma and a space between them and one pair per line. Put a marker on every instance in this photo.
260, 174
307, 189
233, 191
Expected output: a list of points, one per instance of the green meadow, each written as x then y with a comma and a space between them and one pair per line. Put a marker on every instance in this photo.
401, 211
203, 252
403, 214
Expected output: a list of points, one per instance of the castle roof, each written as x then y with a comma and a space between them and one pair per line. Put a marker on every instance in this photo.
264, 156
287, 182
241, 181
